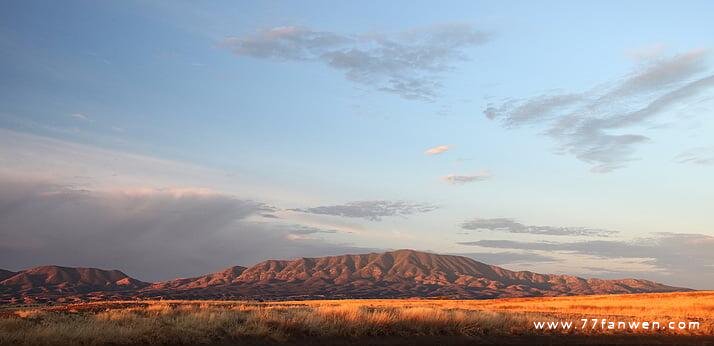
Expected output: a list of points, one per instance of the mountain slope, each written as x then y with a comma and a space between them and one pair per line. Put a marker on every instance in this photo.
227, 276
402, 273
395, 274
56, 279
4, 274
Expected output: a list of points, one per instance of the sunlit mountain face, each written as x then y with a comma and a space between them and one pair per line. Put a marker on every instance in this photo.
395, 274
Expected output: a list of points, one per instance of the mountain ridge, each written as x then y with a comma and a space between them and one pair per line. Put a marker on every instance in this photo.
393, 274
71, 278
4, 274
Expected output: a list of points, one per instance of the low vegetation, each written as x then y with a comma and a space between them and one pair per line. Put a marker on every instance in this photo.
194, 322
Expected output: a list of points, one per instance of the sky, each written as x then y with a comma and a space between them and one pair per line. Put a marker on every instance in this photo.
175, 138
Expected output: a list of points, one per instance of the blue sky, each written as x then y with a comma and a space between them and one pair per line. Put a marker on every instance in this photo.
558, 119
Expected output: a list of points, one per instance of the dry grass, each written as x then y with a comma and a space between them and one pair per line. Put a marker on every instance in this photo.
192, 322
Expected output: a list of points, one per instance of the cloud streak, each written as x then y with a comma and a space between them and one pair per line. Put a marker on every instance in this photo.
512, 226
371, 210
683, 257
407, 64
80, 116
301, 232
455, 179
440, 149
600, 126
26, 156
507, 257
699, 156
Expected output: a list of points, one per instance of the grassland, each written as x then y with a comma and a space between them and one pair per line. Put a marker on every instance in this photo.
504, 321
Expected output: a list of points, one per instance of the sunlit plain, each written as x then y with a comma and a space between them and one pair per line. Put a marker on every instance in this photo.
160, 322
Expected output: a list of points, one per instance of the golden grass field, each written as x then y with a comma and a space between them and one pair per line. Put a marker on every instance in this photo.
408, 320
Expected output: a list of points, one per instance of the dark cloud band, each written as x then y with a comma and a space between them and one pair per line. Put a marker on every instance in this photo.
152, 234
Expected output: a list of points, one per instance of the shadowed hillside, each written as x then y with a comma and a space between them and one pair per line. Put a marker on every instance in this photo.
4, 274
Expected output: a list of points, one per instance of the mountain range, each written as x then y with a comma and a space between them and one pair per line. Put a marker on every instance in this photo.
395, 274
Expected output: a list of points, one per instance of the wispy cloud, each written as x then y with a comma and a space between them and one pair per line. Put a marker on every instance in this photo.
80, 116
437, 150
90, 167
456, 179
302, 232
408, 64
512, 226
680, 256
697, 156
648, 52
599, 126
371, 210
507, 257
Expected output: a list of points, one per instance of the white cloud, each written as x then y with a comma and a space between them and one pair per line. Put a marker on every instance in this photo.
437, 150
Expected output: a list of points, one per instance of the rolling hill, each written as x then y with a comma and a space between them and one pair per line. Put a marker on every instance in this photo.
70, 280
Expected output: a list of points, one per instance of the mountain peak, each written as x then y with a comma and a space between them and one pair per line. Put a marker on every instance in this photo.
71, 279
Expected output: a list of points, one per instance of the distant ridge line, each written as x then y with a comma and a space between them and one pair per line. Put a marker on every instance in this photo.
393, 274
